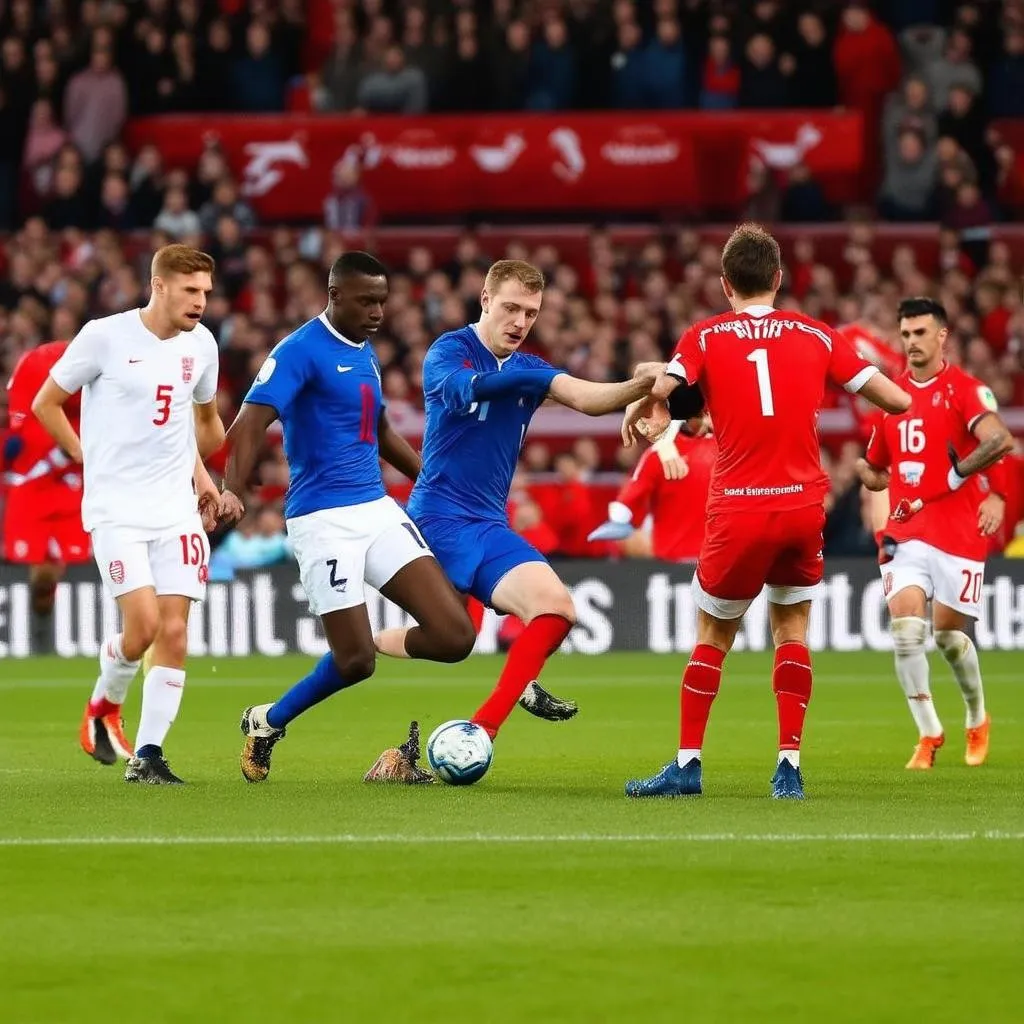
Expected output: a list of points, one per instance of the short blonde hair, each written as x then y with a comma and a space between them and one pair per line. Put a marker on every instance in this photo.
529, 276
181, 259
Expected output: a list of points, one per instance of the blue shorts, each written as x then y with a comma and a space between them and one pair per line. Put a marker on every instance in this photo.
475, 555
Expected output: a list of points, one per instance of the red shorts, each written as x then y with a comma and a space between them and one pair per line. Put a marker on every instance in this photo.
744, 551
33, 541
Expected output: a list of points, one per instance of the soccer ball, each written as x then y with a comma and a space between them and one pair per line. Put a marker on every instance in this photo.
459, 752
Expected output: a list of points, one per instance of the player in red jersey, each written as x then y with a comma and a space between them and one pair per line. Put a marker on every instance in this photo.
762, 373
671, 483
934, 546
43, 512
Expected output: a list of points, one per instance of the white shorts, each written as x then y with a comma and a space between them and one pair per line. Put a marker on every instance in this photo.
950, 579
172, 561
338, 549
736, 608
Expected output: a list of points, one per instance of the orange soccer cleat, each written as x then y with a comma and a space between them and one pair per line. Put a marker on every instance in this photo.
103, 738
924, 753
977, 743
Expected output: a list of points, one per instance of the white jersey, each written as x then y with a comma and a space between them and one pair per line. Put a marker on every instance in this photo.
138, 432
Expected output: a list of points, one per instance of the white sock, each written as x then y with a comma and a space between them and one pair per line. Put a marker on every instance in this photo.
908, 635
161, 698
259, 723
958, 649
686, 755
792, 756
116, 672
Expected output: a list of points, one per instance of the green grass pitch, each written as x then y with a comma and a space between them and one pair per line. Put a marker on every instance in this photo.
540, 894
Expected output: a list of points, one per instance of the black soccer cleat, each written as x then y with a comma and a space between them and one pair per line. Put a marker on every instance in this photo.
155, 771
542, 704
258, 748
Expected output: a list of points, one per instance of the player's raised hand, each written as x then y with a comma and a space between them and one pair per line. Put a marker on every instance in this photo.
230, 508
645, 418
990, 515
873, 479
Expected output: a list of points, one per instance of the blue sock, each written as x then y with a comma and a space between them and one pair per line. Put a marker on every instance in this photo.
150, 750
317, 686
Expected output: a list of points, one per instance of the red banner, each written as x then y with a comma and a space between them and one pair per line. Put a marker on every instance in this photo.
518, 163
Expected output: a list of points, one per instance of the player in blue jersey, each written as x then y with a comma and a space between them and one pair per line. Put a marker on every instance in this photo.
323, 383
481, 393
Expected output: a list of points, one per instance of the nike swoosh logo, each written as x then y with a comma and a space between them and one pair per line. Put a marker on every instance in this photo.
130, 361
344, 369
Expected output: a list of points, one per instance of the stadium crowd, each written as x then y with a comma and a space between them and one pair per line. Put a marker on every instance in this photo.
929, 82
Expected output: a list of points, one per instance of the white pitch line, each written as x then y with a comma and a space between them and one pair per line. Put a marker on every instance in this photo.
350, 839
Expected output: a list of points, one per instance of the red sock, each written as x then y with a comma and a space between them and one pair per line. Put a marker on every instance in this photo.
791, 681
526, 657
102, 707
701, 680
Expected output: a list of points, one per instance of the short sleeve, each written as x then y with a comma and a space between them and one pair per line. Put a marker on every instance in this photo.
877, 453
845, 367
28, 377
688, 358
974, 400
82, 361
280, 378
206, 388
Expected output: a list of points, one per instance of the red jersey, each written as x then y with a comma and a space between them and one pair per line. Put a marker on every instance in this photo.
763, 373
676, 506
913, 447
31, 474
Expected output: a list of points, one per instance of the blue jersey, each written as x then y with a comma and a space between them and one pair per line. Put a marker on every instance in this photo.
326, 390
471, 445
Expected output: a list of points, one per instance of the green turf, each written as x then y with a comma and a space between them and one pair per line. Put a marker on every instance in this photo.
541, 893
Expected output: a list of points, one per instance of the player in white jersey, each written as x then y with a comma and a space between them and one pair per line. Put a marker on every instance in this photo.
149, 387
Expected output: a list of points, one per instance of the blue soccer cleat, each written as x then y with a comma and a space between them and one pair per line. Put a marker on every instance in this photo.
787, 782
670, 781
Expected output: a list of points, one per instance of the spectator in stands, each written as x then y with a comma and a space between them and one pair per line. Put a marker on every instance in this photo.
213, 68
666, 68
225, 202
343, 69
908, 190
44, 140
258, 76
627, 68
395, 88
67, 207
146, 181
964, 121
552, 76
457, 86
49, 75
814, 78
1006, 78
96, 103
720, 82
348, 206
909, 109
803, 200
259, 541
867, 62
115, 209
176, 218
953, 67
762, 82
510, 67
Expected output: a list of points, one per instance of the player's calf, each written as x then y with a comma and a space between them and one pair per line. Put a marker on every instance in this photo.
909, 633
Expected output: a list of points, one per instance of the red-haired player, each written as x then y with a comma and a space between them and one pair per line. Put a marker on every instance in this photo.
43, 513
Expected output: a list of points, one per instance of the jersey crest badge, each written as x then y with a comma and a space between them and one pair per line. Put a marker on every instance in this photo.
911, 473
988, 399
887, 584
188, 364
937, 398
116, 570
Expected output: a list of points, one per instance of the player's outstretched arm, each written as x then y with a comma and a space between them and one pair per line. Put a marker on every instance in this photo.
884, 393
395, 450
596, 399
48, 407
245, 436
209, 428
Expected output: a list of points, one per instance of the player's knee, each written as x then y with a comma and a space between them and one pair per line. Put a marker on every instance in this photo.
909, 634
139, 633
555, 602
355, 666
173, 637
953, 643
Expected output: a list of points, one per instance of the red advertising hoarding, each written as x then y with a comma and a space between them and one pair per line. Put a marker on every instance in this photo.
459, 165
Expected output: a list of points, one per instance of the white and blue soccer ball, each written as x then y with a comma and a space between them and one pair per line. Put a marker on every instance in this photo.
459, 752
